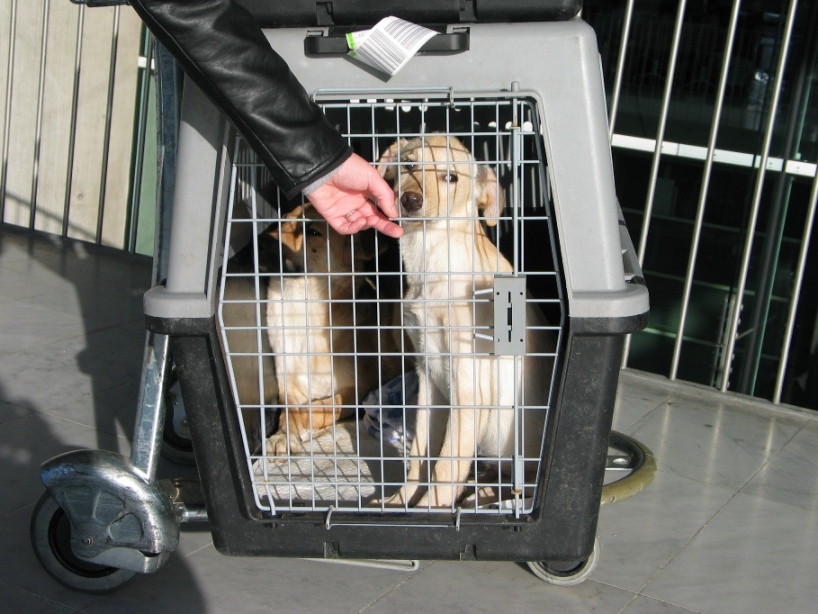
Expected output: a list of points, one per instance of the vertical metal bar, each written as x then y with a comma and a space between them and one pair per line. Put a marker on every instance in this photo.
660, 131
657, 152
708, 168
7, 118
38, 130
222, 286
774, 233
732, 331
257, 302
620, 68
516, 156
73, 126
150, 416
106, 147
796, 292
168, 106
139, 161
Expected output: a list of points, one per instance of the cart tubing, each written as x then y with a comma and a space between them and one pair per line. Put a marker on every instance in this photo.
118, 517
639, 479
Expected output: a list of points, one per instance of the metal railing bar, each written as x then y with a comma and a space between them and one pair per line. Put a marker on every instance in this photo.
796, 293
660, 130
38, 130
73, 126
708, 167
692, 340
136, 189
732, 331
720, 156
7, 114
106, 143
657, 152
774, 238
620, 68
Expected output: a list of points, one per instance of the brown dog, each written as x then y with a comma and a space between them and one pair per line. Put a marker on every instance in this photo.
450, 263
249, 352
323, 328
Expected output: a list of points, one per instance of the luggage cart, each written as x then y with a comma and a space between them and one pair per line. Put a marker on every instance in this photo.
271, 317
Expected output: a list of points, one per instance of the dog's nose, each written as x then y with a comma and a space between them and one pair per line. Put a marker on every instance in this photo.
411, 201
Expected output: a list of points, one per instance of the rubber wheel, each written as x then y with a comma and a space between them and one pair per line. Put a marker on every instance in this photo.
176, 447
571, 577
51, 539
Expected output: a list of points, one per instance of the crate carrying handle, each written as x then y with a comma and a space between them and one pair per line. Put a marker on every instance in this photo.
317, 44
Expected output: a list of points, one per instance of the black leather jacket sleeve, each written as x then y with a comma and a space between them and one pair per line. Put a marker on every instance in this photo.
220, 46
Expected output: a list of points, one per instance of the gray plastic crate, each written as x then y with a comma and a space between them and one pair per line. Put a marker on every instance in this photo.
561, 231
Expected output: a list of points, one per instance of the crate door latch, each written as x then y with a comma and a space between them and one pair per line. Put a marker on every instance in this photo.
509, 315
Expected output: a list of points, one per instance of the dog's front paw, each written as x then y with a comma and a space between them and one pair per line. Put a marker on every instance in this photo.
395, 500
474, 498
402, 498
281, 446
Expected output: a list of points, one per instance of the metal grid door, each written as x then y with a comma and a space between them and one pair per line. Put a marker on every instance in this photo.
339, 349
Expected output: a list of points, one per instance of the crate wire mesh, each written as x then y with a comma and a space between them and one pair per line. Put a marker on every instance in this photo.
318, 326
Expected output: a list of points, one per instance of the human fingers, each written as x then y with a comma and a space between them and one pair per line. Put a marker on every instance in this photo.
383, 194
350, 223
384, 225
358, 172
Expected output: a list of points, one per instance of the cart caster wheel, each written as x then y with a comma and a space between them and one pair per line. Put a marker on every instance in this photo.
571, 577
50, 537
176, 445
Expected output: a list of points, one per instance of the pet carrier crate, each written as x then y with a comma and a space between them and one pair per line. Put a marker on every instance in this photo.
448, 395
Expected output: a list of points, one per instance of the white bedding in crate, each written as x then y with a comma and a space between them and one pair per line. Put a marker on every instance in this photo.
337, 467
350, 463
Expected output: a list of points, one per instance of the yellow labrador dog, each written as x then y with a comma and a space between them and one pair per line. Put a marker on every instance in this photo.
323, 328
466, 396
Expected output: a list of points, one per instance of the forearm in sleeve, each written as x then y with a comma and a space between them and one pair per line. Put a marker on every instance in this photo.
219, 45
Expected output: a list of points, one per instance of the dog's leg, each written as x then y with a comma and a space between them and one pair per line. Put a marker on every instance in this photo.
286, 440
430, 424
302, 424
323, 413
457, 449
418, 448
441, 452
452, 468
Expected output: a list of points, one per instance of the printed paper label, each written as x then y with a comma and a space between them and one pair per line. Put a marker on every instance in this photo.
389, 45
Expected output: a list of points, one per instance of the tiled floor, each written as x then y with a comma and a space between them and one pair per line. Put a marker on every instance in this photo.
730, 523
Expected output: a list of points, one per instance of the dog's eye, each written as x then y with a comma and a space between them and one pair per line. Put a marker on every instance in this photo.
410, 167
450, 178
313, 232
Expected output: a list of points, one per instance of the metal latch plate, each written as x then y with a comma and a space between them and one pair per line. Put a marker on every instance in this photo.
509, 315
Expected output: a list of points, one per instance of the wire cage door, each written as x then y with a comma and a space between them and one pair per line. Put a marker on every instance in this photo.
405, 377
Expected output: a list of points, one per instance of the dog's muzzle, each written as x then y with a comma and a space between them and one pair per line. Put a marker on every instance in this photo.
412, 203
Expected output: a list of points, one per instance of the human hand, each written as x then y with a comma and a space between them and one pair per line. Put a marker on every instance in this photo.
344, 200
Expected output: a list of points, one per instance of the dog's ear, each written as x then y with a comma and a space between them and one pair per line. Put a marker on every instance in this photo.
487, 194
386, 163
